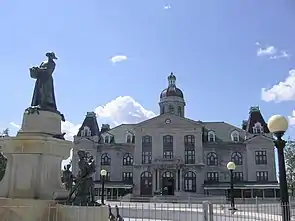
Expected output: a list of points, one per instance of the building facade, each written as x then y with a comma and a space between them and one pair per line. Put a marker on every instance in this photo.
178, 156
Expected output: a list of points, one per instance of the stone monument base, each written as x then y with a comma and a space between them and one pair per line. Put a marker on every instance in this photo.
48, 210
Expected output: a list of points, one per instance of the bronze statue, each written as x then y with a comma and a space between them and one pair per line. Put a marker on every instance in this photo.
84, 185
43, 96
67, 177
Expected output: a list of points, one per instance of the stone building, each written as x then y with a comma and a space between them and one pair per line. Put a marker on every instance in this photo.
181, 156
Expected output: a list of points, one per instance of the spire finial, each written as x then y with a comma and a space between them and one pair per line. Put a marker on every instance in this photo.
171, 80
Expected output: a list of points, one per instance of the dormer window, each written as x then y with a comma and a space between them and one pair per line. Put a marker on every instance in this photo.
235, 137
86, 132
257, 129
107, 139
128, 139
211, 136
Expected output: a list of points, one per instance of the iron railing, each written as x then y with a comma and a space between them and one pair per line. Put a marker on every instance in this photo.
152, 211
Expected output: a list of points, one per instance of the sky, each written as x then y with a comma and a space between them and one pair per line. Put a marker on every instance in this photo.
114, 57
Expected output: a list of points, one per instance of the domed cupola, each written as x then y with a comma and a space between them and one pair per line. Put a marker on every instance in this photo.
172, 90
172, 99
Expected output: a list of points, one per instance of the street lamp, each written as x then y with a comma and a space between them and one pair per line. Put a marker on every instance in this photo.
278, 125
103, 174
231, 166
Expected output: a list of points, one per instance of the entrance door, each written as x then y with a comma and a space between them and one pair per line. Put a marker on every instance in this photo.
168, 183
146, 187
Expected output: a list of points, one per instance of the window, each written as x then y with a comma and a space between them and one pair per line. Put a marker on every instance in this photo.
237, 158
162, 110
260, 157
96, 191
262, 176
211, 136
133, 139
235, 137
171, 109
179, 111
238, 176
127, 159
105, 159
146, 149
146, 157
212, 159
190, 182
127, 176
189, 149
128, 139
213, 176
189, 140
168, 147
86, 132
189, 157
107, 177
107, 139
257, 129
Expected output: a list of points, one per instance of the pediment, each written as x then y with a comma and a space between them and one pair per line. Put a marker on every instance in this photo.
259, 139
170, 120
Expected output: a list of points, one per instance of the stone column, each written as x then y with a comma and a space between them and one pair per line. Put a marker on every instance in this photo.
181, 181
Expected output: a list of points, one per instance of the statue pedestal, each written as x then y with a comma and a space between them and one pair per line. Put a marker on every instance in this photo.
48, 210
34, 159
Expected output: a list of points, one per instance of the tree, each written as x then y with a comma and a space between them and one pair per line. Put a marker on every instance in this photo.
3, 160
290, 164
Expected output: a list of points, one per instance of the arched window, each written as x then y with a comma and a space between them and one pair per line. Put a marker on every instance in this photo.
168, 147
211, 136
257, 129
86, 132
190, 182
127, 159
189, 149
105, 159
162, 110
171, 109
212, 159
107, 139
237, 158
128, 139
179, 111
235, 137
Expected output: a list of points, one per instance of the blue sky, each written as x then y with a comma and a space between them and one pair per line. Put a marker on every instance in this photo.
211, 46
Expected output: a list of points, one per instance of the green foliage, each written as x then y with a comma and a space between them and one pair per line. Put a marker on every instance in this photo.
290, 164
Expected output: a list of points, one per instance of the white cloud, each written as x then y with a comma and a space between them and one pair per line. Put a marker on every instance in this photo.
118, 58
271, 52
292, 118
168, 6
123, 109
283, 91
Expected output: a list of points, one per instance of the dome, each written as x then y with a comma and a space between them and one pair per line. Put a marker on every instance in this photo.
171, 91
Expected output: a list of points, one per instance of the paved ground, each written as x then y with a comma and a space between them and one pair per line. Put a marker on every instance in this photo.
184, 212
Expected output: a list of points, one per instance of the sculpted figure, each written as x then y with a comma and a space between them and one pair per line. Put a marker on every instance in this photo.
67, 177
43, 96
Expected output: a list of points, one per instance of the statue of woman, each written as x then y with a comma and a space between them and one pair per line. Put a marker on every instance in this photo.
43, 96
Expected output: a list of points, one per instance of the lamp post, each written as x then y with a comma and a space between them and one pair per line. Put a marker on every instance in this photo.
231, 166
103, 174
278, 125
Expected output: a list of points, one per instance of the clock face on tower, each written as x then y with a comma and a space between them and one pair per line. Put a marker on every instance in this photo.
167, 121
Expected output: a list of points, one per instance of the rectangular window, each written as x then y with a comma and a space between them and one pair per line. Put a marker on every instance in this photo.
189, 157
262, 176
146, 157
260, 157
213, 176
127, 176
238, 176
168, 154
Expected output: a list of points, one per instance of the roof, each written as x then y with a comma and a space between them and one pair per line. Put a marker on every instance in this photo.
171, 90
254, 117
90, 121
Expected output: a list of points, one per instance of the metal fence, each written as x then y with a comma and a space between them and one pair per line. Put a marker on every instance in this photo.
132, 211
